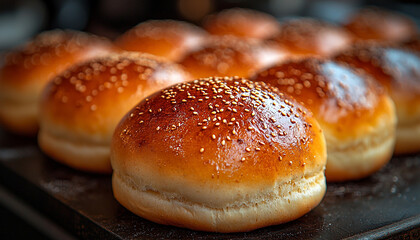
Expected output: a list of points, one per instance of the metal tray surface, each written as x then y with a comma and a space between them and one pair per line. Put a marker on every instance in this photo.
385, 205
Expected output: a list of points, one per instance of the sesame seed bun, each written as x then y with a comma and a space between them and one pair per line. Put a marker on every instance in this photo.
242, 23
165, 38
81, 107
309, 37
27, 69
231, 56
375, 24
218, 155
398, 70
355, 113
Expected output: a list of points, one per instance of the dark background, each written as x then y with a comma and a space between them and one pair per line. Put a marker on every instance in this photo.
22, 19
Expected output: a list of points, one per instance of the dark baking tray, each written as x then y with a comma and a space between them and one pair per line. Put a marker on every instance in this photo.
385, 205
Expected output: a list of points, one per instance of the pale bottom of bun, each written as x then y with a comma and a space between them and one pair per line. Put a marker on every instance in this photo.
295, 198
356, 161
76, 154
408, 139
20, 118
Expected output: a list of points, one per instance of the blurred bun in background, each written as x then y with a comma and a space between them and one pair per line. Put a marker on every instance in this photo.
27, 69
165, 38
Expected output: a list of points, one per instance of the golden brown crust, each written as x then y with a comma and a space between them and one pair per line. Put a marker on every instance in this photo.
219, 154
354, 112
338, 96
83, 104
374, 24
231, 130
306, 36
27, 70
47, 54
398, 70
165, 38
231, 56
242, 23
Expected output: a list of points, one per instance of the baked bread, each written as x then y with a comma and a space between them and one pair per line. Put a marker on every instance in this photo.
231, 56
355, 113
165, 38
242, 22
380, 25
26, 70
81, 107
398, 70
304, 37
218, 154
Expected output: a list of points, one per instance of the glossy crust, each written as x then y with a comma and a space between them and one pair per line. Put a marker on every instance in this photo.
242, 23
81, 107
398, 70
357, 116
223, 155
231, 56
309, 37
165, 38
374, 24
26, 71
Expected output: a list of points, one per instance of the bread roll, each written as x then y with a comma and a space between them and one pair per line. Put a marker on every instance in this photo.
218, 155
355, 113
81, 107
398, 70
165, 38
27, 69
231, 56
309, 37
374, 24
240, 22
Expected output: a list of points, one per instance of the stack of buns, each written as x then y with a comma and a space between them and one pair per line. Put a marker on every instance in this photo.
190, 141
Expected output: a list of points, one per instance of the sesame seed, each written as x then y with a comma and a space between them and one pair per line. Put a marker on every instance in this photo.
290, 162
158, 128
248, 149
217, 124
242, 159
204, 127
213, 136
192, 109
228, 138
250, 128
141, 121
195, 113
223, 142
233, 132
257, 149
201, 150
